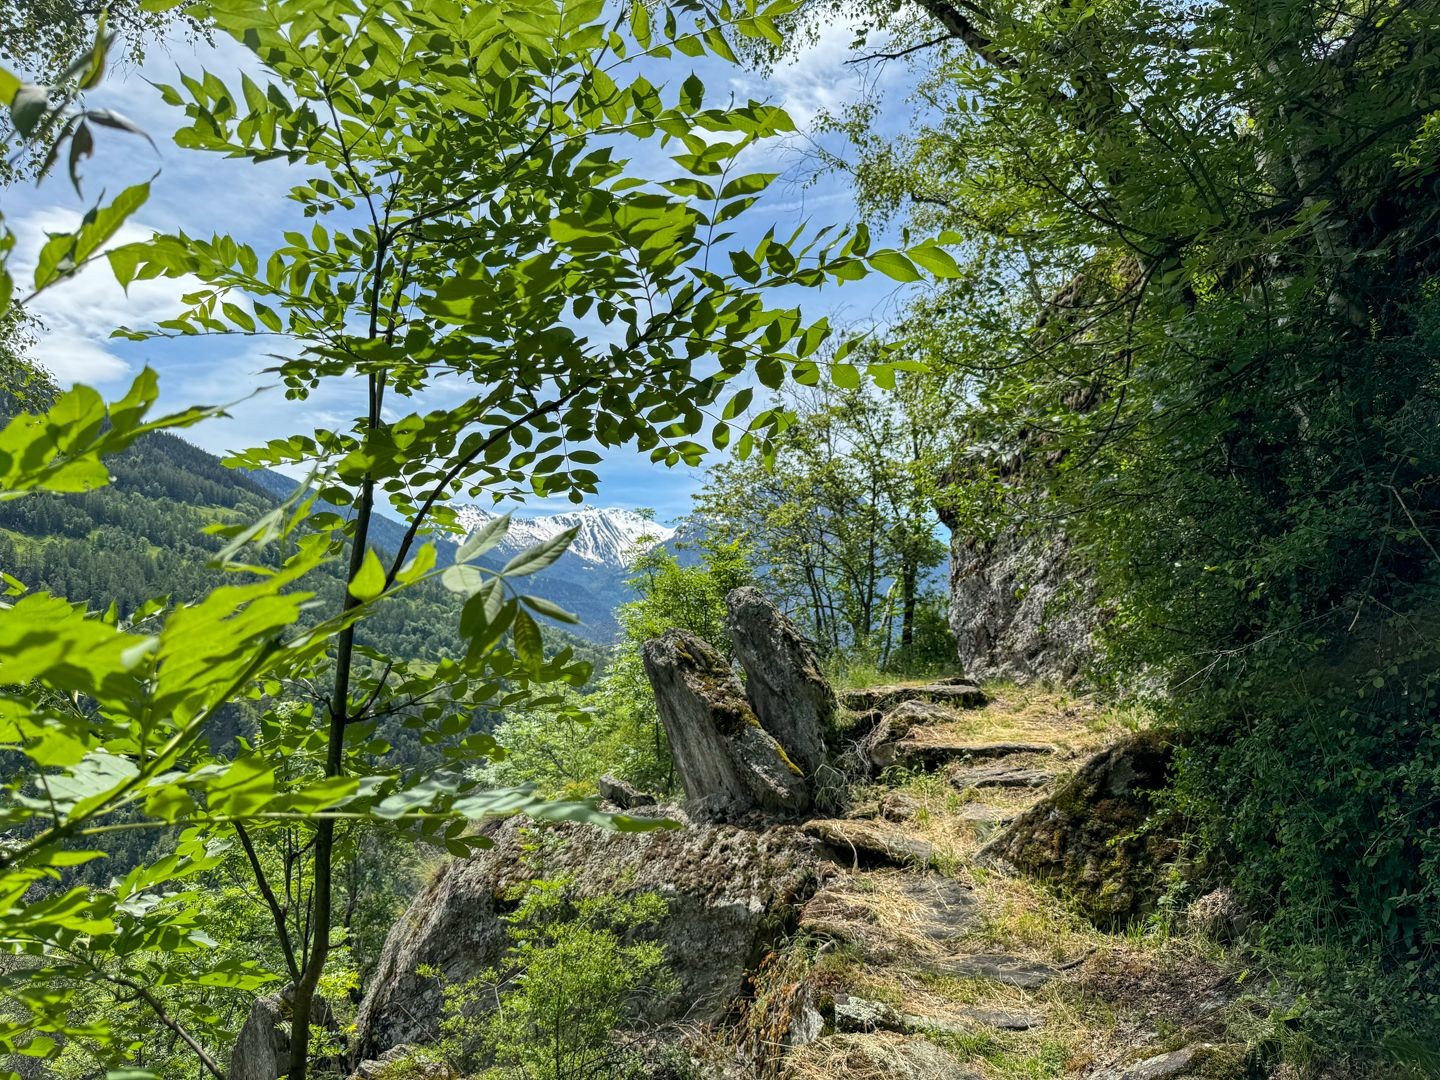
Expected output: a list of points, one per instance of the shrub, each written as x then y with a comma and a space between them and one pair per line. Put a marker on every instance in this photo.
577, 970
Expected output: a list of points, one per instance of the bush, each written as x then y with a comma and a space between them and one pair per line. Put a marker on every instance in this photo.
577, 970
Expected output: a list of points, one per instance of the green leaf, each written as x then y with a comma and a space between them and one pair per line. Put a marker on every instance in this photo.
369, 580
528, 645
545, 607
894, 265
483, 539
537, 558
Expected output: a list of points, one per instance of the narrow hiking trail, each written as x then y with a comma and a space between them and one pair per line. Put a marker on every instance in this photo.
929, 959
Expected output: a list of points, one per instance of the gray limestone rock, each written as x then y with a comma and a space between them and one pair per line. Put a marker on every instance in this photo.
1000, 776
960, 695
727, 763
1021, 606
783, 679
262, 1049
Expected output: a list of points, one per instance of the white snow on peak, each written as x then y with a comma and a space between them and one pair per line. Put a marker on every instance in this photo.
608, 536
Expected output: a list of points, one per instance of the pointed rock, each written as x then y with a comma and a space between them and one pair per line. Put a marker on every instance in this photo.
783, 680
727, 763
1089, 837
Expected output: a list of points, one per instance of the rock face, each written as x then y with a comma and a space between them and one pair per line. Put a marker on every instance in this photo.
783, 680
728, 764
730, 892
1020, 607
1088, 837
262, 1049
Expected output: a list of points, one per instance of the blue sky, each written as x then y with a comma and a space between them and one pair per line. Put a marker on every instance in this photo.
204, 193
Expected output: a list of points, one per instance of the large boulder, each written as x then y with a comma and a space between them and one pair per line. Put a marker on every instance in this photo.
727, 763
1094, 838
730, 892
783, 680
262, 1049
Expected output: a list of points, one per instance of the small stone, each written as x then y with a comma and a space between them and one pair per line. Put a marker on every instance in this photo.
1000, 776
1008, 970
862, 1014
1003, 1019
1162, 1067
624, 795
899, 807
869, 843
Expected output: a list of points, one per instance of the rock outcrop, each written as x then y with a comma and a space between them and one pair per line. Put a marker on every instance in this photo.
730, 891
1020, 607
625, 796
262, 1049
1094, 838
727, 763
783, 680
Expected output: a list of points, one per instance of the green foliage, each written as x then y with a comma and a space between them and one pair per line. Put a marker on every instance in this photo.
576, 970
477, 228
842, 518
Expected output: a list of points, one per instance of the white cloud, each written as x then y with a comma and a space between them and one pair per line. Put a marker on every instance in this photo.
80, 313
75, 359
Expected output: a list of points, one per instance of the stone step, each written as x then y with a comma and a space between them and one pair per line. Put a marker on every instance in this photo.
925, 750
963, 695
1016, 971
980, 814
1000, 776
855, 1014
869, 843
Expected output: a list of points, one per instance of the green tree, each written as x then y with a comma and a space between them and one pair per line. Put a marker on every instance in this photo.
842, 516
575, 971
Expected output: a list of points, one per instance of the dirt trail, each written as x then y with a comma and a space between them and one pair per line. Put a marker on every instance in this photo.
938, 964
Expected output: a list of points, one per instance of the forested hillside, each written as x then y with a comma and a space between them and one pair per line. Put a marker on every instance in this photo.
1045, 682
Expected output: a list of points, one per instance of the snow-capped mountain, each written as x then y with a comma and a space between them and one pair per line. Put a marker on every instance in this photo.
608, 536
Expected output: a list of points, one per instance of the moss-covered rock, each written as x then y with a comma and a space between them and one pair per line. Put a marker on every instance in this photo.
1095, 839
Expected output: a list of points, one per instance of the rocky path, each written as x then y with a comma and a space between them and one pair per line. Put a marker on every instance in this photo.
931, 958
